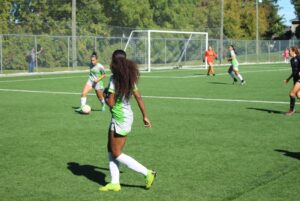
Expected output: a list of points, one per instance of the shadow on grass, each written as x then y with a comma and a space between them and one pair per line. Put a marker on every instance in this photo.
266, 110
295, 155
93, 174
89, 171
219, 83
93, 110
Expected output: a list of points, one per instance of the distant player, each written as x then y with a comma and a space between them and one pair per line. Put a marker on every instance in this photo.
234, 67
95, 81
121, 87
295, 91
209, 56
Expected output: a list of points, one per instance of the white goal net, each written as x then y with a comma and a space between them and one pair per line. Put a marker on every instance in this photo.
157, 49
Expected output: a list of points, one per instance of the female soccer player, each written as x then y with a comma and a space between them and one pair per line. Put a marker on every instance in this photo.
94, 81
209, 56
295, 91
121, 87
234, 67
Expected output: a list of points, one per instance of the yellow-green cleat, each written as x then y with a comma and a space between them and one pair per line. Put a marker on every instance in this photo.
150, 178
110, 187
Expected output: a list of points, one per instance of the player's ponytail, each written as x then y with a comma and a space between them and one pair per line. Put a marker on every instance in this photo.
233, 49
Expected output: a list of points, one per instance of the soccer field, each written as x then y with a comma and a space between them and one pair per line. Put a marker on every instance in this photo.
210, 140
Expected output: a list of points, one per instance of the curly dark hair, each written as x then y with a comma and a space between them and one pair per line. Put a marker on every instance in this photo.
295, 49
125, 74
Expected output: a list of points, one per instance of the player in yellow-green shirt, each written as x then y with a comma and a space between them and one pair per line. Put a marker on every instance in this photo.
121, 88
234, 67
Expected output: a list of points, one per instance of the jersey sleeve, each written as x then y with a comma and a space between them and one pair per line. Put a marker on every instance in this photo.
135, 88
215, 54
101, 69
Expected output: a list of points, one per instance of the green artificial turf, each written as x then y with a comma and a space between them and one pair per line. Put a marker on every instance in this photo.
210, 140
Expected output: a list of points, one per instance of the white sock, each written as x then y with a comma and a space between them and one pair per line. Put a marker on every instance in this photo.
240, 77
232, 74
132, 164
114, 169
102, 102
83, 101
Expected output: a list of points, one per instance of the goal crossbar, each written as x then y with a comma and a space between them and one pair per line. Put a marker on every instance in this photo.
165, 31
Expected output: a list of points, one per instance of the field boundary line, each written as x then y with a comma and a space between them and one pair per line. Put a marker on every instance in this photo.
155, 97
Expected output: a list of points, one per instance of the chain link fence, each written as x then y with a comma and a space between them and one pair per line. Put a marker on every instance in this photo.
54, 53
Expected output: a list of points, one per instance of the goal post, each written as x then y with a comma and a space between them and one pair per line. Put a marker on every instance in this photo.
160, 49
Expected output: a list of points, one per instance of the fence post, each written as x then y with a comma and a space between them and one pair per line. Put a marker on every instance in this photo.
68, 38
1, 63
269, 51
165, 51
35, 47
246, 52
95, 43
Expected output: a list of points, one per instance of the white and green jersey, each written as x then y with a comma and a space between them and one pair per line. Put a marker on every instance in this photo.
96, 71
122, 115
234, 61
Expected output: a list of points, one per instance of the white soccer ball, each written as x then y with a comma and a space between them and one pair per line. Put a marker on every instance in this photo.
86, 109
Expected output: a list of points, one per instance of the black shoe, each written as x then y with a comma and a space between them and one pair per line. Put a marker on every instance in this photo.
234, 80
243, 82
214, 74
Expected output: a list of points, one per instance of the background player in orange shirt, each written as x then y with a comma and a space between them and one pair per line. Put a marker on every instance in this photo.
209, 56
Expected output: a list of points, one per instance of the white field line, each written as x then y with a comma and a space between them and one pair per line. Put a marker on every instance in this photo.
155, 97
220, 74
144, 76
38, 79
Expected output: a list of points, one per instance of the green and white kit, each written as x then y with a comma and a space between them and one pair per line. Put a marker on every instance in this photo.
95, 72
122, 115
234, 61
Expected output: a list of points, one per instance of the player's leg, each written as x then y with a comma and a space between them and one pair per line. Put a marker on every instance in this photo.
237, 73
231, 73
208, 70
294, 91
87, 87
99, 92
212, 68
114, 185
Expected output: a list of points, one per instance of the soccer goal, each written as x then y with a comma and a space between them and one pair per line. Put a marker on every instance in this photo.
158, 49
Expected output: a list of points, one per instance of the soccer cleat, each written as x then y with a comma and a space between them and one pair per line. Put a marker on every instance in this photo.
150, 178
79, 109
243, 82
214, 74
234, 80
110, 187
103, 108
289, 113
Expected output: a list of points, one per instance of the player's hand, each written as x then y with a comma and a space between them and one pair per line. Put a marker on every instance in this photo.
147, 123
96, 79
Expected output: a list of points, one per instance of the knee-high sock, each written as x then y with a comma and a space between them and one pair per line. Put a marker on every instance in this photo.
292, 102
114, 169
240, 77
83, 101
132, 164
